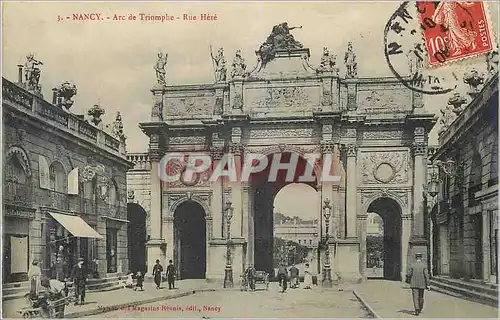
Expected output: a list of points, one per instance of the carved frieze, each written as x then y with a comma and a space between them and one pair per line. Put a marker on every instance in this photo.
282, 98
350, 133
203, 198
387, 100
401, 196
188, 106
187, 140
286, 133
383, 134
327, 147
384, 167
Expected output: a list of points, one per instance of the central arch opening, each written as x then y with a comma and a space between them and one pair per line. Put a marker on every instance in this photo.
385, 252
190, 252
278, 206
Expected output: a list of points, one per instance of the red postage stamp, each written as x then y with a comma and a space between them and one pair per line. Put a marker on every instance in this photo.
454, 30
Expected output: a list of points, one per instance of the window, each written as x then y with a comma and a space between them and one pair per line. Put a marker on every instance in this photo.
310, 241
111, 249
494, 163
58, 179
14, 171
475, 178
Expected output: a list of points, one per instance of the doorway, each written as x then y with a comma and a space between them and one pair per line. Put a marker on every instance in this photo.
190, 240
391, 258
137, 238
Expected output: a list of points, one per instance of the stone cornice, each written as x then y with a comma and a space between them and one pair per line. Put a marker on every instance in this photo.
468, 117
274, 120
67, 134
153, 127
192, 87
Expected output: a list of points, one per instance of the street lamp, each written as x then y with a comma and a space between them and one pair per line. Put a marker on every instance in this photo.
228, 273
327, 271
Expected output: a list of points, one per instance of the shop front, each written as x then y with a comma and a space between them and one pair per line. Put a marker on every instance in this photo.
69, 237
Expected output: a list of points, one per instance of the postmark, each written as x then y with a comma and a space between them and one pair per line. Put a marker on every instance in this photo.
406, 56
454, 30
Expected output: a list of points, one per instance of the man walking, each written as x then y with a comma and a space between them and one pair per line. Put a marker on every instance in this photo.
294, 277
171, 275
79, 276
157, 270
419, 281
282, 277
250, 276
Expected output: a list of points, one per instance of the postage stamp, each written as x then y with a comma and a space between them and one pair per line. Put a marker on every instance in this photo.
454, 30
404, 50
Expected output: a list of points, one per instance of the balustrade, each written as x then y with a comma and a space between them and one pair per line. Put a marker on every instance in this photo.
141, 160
11, 92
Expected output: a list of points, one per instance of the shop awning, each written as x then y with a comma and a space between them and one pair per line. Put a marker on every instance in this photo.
76, 226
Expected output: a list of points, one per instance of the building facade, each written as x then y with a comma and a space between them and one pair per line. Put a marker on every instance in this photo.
465, 216
64, 179
304, 233
375, 129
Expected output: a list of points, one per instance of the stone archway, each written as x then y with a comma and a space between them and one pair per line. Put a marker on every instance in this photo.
189, 240
137, 237
390, 212
263, 193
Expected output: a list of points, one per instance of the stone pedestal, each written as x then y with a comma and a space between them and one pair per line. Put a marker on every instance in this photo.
216, 259
347, 261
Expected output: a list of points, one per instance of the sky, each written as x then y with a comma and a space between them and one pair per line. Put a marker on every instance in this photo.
111, 62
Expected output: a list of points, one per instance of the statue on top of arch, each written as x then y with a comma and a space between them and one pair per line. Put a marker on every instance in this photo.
32, 72
328, 62
279, 39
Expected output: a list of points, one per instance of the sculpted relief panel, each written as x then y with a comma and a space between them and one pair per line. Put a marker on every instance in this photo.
390, 167
384, 100
293, 97
286, 133
189, 106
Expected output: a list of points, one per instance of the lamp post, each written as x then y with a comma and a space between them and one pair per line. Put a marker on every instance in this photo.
228, 272
327, 271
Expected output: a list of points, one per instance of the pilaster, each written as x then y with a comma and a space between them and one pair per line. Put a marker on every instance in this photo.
351, 188
419, 181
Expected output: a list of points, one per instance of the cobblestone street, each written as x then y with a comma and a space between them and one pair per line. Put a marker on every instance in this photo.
259, 304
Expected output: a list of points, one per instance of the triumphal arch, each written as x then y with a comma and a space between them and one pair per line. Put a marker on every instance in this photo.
375, 128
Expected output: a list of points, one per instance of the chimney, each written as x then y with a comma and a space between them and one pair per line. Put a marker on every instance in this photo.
20, 73
54, 96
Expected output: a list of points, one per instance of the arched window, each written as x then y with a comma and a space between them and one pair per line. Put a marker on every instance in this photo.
58, 178
14, 171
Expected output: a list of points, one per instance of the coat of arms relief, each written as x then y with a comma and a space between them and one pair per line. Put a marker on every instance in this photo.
384, 167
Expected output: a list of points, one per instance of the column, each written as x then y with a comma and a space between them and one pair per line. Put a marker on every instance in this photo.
245, 223
156, 244
418, 241
217, 205
336, 201
406, 256
351, 189
236, 193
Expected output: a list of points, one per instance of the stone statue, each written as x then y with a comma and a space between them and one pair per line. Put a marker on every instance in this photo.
279, 39
447, 118
415, 64
327, 63
457, 101
160, 68
239, 66
474, 79
350, 62
96, 112
32, 72
220, 65
117, 128
66, 91
492, 62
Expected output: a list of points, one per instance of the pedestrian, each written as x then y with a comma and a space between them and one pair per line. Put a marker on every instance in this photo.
34, 274
79, 276
140, 280
157, 270
282, 277
171, 275
129, 282
419, 281
250, 274
294, 277
307, 277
